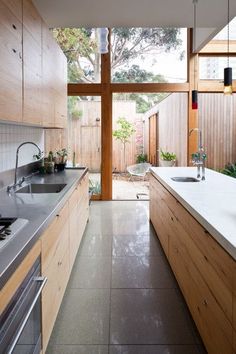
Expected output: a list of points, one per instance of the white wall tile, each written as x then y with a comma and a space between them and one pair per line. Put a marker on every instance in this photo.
11, 136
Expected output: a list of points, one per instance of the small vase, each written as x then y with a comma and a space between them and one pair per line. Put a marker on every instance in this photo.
49, 167
60, 166
165, 163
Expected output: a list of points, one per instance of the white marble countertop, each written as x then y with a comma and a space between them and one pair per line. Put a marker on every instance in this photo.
212, 202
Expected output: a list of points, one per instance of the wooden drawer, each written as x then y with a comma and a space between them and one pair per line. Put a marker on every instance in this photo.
18, 276
214, 327
55, 237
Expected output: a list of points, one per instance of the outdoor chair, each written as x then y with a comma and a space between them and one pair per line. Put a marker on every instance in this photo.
138, 170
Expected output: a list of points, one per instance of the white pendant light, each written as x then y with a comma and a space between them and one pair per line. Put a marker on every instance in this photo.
103, 40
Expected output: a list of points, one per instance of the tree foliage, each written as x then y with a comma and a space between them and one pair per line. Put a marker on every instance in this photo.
123, 133
80, 48
125, 130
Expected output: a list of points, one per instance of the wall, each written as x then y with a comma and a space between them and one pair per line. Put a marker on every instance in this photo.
11, 136
217, 119
172, 123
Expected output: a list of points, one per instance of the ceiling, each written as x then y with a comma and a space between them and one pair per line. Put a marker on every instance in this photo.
211, 14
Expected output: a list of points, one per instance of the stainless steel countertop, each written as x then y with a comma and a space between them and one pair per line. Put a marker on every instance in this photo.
39, 209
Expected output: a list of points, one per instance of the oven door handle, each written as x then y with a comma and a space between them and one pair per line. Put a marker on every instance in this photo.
43, 281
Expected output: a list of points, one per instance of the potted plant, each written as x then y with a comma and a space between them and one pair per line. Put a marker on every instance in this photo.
167, 159
61, 159
49, 163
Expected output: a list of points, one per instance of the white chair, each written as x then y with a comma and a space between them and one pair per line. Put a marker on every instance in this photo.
138, 170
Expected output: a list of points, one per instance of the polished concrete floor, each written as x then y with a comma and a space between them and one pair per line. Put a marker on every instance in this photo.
122, 297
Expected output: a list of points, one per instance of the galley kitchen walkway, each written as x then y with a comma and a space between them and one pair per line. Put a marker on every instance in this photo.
122, 297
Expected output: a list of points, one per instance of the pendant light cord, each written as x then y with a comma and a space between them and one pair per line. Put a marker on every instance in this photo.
228, 34
194, 38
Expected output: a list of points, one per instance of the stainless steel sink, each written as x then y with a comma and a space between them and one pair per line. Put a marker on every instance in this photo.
41, 188
185, 179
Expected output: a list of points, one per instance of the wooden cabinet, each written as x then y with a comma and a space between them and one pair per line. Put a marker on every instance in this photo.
79, 209
10, 61
32, 101
60, 243
55, 266
33, 89
204, 270
19, 275
54, 81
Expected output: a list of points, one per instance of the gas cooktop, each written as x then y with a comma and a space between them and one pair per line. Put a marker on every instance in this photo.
9, 227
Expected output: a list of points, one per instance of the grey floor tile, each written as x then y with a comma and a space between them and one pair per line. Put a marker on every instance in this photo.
91, 272
136, 245
95, 245
154, 349
83, 317
119, 218
142, 272
77, 349
150, 316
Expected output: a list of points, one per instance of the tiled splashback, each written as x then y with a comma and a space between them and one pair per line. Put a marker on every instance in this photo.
11, 136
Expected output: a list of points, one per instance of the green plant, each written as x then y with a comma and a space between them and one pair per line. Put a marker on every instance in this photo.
167, 156
141, 158
61, 156
125, 131
50, 156
94, 187
77, 113
229, 170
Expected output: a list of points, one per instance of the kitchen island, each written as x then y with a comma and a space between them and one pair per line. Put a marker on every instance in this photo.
196, 225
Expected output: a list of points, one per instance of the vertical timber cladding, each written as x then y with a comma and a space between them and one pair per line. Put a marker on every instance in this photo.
106, 89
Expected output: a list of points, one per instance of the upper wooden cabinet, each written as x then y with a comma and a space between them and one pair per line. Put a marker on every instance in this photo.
15, 6
10, 62
33, 89
54, 81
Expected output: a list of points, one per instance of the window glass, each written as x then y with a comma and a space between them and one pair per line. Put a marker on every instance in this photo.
80, 46
212, 68
149, 55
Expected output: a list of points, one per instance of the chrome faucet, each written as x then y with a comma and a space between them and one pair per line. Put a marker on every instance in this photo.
198, 159
19, 183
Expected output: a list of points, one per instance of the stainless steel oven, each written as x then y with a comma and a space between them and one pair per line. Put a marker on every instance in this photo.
20, 323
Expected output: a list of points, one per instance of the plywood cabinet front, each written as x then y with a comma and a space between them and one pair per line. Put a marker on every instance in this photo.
32, 101
33, 69
78, 206
55, 266
11, 61
60, 243
204, 270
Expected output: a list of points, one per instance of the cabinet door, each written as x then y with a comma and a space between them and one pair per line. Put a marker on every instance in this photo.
32, 112
213, 325
79, 209
32, 55
15, 6
10, 64
55, 266
158, 215
48, 97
